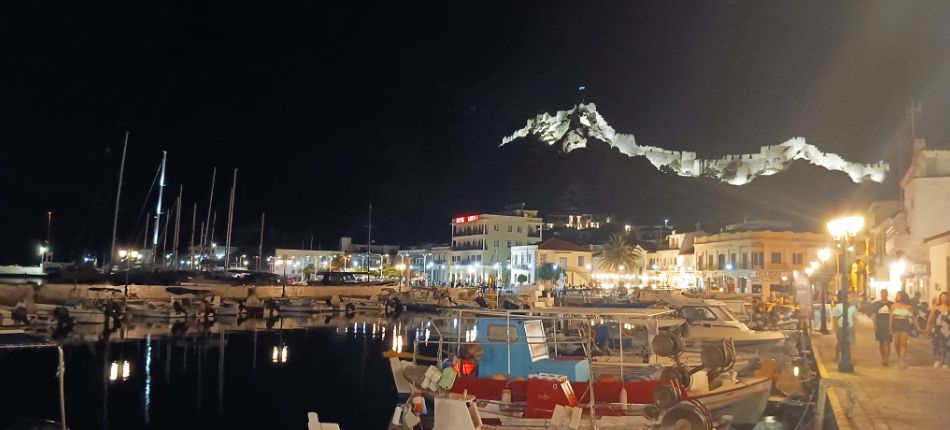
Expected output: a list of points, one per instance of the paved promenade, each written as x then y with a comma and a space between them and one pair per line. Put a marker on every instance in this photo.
881, 398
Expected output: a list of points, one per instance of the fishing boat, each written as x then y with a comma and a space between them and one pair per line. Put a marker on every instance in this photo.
500, 354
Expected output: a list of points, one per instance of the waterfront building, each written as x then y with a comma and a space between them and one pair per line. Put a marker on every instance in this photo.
903, 233
674, 264
481, 243
573, 260
759, 257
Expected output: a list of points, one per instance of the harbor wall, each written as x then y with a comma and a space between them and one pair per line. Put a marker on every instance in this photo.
56, 293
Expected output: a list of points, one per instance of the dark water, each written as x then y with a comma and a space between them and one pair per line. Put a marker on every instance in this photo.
209, 377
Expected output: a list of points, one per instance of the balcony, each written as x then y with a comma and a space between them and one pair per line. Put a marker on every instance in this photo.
534, 233
468, 247
468, 231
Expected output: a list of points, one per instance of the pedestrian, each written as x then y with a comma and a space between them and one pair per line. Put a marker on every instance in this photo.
902, 324
840, 333
938, 326
880, 314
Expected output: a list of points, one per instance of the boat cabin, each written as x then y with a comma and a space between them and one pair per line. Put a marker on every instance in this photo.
517, 348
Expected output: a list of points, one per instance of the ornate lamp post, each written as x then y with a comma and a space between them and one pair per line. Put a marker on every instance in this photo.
823, 255
843, 231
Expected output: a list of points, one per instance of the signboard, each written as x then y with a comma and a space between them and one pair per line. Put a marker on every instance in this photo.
465, 219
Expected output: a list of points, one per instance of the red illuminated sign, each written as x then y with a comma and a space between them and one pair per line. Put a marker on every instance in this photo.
465, 219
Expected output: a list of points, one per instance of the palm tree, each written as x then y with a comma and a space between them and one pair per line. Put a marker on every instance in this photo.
618, 253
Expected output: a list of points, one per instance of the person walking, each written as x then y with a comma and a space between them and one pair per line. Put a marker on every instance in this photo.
902, 324
880, 314
840, 333
938, 326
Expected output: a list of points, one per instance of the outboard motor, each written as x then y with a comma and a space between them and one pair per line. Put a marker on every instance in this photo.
179, 308
61, 315
20, 316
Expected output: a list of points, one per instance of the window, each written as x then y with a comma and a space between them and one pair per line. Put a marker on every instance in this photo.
519, 229
496, 244
509, 229
496, 227
710, 264
776, 258
798, 258
509, 244
758, 260
544, 258
562, 262
732, 260
580, 261
722, 262
745, 260
497, 333
697, 313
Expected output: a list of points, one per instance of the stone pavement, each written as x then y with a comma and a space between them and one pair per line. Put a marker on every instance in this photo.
881, 398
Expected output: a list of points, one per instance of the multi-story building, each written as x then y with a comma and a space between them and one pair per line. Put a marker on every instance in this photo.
481, 243
755, 258
573, 260
903, 233
441, 262
674, 264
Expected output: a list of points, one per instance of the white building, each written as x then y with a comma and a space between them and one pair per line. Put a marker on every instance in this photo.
905, 237
573, 260
673, 265
481, 243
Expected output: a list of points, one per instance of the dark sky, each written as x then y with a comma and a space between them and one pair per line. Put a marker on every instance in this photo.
325, 106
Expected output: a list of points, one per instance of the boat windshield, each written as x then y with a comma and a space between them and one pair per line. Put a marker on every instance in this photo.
722, 313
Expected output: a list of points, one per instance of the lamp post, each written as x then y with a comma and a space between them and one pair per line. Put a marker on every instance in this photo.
823, 255
843, 231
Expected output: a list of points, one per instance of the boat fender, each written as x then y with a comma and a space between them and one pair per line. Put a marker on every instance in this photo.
447, 380
623, 397
506, 396
418, 404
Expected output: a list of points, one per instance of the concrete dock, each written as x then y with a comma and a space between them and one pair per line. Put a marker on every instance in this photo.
883, 398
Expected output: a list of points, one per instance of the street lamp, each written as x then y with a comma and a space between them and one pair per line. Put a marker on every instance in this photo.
823, 255
843, 230
43, 250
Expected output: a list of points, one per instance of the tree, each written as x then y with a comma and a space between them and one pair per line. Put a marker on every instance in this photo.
522, 279
618, 252
548, 272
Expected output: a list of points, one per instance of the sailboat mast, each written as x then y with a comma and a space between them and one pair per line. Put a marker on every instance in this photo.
158, 208
177, 226
260, 246
227, 241
214, 175
118, 197
191, 243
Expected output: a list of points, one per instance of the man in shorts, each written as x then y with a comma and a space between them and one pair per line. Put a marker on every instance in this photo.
880, 314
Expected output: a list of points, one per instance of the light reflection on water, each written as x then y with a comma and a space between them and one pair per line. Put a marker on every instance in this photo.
159, 374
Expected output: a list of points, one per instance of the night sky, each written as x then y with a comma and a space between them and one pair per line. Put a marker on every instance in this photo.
325, 107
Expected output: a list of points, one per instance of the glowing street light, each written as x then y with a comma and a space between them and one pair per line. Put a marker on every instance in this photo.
814, 265
809, 271
845, 226
844, 229
824, 254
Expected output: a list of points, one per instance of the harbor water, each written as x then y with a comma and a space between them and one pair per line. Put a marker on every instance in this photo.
203, 376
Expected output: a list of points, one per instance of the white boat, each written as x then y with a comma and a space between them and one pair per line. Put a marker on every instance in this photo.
172, 309
77, 311
303, 305
712, 321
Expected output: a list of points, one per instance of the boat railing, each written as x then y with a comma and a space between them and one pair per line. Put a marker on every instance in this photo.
19, 340
567, 318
